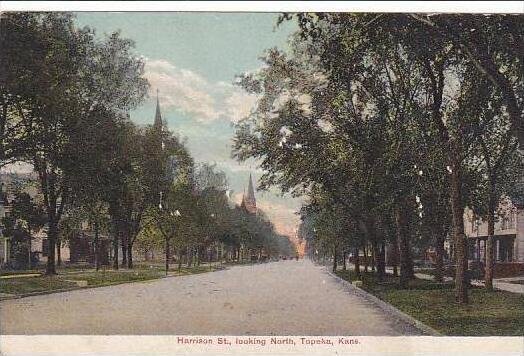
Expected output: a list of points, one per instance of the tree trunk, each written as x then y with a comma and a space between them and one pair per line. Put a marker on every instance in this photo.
179, 259
167, 255
96, 247
51, 237
344, 255
366, 260
58, 252
124, 251
489, 267
189, 257
439, 265
29, 264
406, 263
129, 254
381, 261
198, 255
115, 250
461, 287
335, 258
357, 262
395, 258
373, 258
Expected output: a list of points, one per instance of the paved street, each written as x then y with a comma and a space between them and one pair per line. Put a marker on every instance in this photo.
280, 298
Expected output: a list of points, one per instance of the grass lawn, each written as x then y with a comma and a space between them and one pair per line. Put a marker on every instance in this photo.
488, 313
25, 285
13, 273
64, 268
67, 278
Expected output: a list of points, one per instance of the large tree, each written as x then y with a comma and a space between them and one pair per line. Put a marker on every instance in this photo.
446, 73
59, 76
500, 167
493, 44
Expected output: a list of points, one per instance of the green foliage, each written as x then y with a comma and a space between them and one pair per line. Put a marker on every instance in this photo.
378, 118
62, 95
26, 214
25, 218
196, 213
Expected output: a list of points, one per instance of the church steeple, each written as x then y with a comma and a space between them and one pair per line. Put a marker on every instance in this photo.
158, 116
249, 202
251, 191
243, 202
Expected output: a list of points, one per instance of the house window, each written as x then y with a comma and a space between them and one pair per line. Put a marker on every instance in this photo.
508, 221
474, 224
512, 218
506, 249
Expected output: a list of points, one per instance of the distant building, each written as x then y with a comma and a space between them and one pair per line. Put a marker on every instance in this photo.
249, 202
158, 123
509, 233
79, 247
9, 184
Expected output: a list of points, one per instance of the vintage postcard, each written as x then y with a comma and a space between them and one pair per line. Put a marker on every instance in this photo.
266, 179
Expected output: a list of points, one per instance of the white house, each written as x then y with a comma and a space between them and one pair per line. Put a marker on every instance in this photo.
509, 233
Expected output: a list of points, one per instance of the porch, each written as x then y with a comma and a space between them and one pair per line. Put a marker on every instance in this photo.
504, 253
504, 247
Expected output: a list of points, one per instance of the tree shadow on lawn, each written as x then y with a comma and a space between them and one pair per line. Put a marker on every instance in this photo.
489, 313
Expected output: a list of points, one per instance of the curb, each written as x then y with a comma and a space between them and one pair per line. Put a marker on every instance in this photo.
387, 307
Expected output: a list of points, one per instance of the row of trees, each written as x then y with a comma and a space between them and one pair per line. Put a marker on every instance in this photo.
391, 124
197, 221
65, 95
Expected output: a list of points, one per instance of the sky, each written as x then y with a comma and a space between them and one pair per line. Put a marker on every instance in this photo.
192, 59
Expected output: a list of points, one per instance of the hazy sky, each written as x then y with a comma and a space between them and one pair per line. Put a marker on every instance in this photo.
192, 58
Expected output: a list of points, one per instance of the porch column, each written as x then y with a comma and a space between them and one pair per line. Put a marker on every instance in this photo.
484, 243
6, 250
478, 250
497, 250
515, 257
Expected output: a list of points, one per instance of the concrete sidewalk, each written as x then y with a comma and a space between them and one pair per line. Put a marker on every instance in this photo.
499, 283
503, 284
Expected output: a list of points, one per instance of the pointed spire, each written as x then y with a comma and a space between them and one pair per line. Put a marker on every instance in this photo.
250, 190
158, 116
243, 203
250, 201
